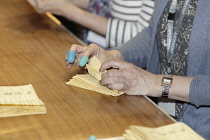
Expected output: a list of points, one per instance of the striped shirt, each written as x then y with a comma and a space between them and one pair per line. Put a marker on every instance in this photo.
128, 18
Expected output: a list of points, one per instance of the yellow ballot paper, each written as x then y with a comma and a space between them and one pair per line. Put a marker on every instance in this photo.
11, 111
91, 80
176, 131
20, 100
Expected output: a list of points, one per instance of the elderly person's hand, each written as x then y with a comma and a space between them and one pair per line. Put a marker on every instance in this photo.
79, 55
129, 78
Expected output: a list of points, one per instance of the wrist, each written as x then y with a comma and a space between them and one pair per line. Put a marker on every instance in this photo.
156, 89
166, 84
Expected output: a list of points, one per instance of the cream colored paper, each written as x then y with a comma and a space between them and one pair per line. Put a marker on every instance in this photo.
19, 95
20, 100
176, 131
91, 81
88, 82
11, 111
95, 63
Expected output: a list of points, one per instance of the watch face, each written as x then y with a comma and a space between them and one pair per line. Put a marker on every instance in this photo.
167, 81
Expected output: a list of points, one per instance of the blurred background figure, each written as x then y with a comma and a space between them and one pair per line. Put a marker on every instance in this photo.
110, 23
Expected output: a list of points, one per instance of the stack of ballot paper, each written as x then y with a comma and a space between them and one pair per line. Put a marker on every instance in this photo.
176, 131
20, 100
91, 80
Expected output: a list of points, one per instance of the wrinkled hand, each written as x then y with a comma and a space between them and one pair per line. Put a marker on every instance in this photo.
53, 6
128, 78
86, 52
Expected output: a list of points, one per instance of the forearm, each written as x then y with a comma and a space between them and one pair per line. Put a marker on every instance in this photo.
179, 89
91, 21
81, 3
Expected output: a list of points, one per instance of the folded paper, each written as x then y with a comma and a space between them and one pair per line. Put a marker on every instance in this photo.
91, 80
176, 131
20, 100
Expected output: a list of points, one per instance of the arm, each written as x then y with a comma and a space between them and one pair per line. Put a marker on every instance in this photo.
190, 89
72, 12
80, 3
179, 90
133, 80
200, 90
91, 21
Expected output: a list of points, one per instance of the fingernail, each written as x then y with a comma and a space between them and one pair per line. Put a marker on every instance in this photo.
92, 137
71, 56
83, 61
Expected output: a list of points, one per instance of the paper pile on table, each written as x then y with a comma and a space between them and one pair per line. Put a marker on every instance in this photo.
176, 131
91, 80
20, 100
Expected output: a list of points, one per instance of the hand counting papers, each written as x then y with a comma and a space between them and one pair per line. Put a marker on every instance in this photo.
176, 131
20, 100
91, 81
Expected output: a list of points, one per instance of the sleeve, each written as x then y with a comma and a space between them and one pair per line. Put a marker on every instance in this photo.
137, 50
100, 7
121, 30
200, 90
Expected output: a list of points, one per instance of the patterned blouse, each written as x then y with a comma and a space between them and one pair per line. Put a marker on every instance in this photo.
100, 7
179, 61
180, 58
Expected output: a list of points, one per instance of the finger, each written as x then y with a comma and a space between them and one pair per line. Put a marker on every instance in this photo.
118, 86
32, 3
88, 52
83, 61
113, 80
47, 6
111, 73
114, 63
69, 65
91, 50
77, 48
129, 73
122, 85
73, 51
70, 57
36, 4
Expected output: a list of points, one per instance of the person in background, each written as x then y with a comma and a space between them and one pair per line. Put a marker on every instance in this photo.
101, 8
126, 20
175, 51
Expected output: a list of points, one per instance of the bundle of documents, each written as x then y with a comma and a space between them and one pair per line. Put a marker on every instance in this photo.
176, 131
91, 80
20, 100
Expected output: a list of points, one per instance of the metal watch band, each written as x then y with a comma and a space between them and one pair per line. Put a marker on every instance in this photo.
166, 85
165, 91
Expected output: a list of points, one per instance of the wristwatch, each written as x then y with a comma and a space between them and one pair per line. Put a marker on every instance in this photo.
166, 85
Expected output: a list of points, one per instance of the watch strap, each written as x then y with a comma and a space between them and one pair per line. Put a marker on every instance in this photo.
166, 85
